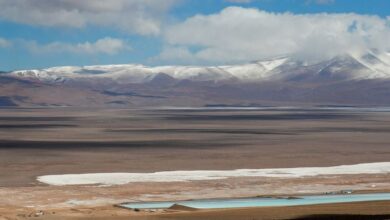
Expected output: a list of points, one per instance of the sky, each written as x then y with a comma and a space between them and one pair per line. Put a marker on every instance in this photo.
44, 33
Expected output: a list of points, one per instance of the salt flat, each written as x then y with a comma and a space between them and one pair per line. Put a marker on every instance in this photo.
193, 175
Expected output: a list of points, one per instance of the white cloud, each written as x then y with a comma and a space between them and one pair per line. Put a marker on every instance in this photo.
107, 45
133, 16
4, 43
240, 34
180, 55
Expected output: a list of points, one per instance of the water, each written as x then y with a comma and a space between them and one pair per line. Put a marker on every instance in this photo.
262, 202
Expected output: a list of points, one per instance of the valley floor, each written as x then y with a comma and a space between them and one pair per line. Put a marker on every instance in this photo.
36, 142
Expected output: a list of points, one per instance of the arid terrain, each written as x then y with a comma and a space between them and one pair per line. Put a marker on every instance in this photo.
194, 110
36, 142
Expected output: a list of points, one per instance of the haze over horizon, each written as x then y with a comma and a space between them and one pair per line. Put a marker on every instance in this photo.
43, 33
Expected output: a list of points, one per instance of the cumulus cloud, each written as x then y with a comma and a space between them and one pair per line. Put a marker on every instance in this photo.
133, 16
243, 34
107, 45
4, 43
178, 55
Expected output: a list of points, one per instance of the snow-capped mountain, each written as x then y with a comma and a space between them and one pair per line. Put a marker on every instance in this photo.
141, 74
366, 66
348, 79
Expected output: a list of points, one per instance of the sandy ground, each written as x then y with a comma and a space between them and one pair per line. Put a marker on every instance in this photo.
60, 141
368, 209
57, 141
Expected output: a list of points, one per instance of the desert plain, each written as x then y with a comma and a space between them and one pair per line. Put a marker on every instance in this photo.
55, 141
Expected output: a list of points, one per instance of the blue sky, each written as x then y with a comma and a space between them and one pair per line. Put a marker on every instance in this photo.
45, 33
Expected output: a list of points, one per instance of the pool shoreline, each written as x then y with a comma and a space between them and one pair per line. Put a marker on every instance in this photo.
261, 201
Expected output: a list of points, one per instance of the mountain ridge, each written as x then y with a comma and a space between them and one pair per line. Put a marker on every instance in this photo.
379, 64
348, 79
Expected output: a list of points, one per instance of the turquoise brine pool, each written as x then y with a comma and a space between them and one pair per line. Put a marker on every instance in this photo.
261, 202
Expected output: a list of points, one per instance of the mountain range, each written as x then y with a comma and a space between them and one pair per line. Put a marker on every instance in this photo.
351, 80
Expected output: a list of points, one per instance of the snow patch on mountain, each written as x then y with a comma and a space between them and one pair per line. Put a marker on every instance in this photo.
370, 65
